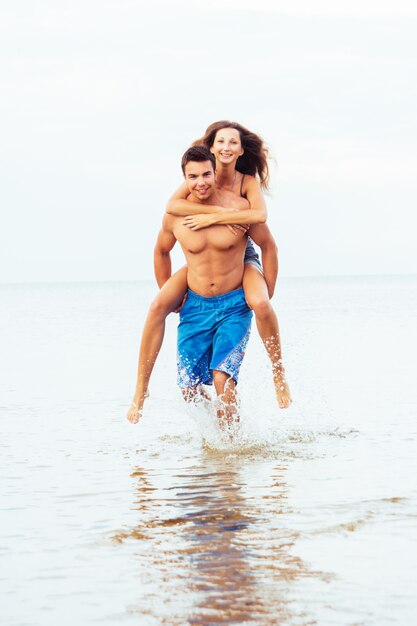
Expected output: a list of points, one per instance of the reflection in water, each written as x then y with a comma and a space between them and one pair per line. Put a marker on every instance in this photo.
218, 520
144, 504
214, 548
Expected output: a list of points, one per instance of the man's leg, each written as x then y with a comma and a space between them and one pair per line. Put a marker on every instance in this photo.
229, 345
225, 386
256, 294
167, 301
191, 394
194, 348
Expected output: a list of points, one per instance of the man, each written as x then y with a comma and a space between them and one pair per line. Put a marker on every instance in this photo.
215, 319
214, 270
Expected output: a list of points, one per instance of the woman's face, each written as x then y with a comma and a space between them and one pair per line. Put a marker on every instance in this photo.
227, 146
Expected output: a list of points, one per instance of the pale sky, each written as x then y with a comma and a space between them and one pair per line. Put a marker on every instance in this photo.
100, 99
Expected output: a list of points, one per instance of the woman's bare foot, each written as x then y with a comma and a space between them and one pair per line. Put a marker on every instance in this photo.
282, 390
136, 408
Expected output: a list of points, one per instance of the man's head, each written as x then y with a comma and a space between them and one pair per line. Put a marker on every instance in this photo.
198, 165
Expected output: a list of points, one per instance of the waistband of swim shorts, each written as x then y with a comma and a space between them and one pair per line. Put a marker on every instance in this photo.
222, 298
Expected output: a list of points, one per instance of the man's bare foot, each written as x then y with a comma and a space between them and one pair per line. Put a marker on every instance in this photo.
225, 423
282, 390
228, 416
229, 428
136, 408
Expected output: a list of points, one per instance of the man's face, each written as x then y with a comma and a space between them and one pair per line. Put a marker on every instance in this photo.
199, 176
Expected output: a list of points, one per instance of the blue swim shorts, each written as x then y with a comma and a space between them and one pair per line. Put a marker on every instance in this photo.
251, 256
212, 335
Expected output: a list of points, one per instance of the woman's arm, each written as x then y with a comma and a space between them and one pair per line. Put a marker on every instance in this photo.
179, 205
255, 215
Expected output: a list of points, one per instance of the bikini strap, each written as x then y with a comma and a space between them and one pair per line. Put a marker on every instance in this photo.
241, 185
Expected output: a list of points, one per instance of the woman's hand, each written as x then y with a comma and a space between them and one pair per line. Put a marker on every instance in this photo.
202, 220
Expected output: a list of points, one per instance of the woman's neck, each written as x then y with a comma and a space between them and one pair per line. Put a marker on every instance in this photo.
225, 175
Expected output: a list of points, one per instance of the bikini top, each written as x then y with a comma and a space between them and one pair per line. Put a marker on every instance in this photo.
241, 185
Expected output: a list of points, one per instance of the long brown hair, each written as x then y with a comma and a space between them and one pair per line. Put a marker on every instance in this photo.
254, 160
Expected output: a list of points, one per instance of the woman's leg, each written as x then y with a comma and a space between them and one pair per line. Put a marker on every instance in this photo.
256, 294
168, 300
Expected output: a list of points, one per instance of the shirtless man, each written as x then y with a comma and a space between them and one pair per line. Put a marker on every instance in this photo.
215, 319
215, 268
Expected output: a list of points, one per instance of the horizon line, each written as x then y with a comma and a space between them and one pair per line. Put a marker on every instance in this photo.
139, 280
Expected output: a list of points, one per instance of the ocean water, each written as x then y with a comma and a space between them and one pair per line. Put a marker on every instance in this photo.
308, 517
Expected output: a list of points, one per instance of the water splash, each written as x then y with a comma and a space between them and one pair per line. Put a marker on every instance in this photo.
256, 434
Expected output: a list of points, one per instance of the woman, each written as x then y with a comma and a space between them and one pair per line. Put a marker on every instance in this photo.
241, 157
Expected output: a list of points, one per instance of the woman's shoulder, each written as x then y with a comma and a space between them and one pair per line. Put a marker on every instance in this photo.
248, 182
249, 179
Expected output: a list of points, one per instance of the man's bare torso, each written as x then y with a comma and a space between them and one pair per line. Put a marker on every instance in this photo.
214, 255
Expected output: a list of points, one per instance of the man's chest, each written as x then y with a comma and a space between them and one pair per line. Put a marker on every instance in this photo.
214, 238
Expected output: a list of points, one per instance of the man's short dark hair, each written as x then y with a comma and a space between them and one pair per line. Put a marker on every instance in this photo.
199, 154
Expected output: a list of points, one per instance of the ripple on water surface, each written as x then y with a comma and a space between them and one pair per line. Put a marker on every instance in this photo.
305, 517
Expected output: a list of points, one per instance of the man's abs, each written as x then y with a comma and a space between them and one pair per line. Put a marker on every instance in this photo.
214, 257
209, 281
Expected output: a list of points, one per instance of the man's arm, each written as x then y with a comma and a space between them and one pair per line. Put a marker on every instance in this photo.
162, 258
262, 236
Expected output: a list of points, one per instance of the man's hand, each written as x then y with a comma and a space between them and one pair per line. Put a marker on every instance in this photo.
178, 309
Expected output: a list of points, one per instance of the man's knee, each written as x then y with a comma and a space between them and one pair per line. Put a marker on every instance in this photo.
222, 381
219, 376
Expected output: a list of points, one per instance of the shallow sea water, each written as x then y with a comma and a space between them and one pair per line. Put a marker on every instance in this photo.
308, 517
